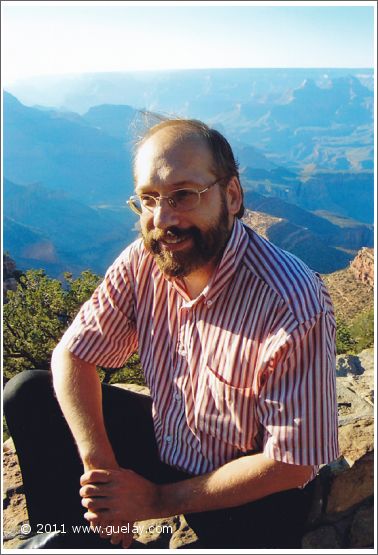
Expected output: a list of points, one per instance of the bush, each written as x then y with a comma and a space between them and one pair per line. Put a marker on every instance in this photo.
37, 314
362, 330
131, 373
356, 336
345, 343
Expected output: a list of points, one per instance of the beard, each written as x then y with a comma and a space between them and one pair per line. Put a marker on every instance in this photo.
206, 245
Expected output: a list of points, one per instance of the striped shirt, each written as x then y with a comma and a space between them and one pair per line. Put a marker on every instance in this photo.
249, 365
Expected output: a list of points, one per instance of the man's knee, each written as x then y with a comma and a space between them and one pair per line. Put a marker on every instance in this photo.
25, 387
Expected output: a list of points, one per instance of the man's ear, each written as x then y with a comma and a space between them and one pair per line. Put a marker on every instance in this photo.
234, 196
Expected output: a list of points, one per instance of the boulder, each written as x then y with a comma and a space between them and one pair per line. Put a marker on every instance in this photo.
362, 529
156, 534
324, 537
355, 385
356, 439
184, 537
350, 488
15, 514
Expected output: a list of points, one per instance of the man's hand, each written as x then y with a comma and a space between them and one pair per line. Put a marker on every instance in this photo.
113, 530
118, 495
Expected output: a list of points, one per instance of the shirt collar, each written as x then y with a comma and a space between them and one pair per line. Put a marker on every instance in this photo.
232, 256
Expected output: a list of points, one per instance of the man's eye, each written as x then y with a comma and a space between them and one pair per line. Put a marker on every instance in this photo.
183, 195
147, 200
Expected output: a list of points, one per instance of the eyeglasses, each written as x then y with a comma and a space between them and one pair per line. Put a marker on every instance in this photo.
181, 200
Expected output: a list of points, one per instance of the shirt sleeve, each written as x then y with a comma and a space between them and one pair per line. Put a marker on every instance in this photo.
297, 401
104, 330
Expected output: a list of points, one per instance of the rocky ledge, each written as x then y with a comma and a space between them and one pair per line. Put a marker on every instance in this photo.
362, 266
342, 514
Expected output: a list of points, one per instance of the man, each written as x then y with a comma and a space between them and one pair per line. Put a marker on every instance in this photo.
236, 339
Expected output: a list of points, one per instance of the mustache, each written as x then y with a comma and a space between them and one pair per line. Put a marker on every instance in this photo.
173, 233
154, 237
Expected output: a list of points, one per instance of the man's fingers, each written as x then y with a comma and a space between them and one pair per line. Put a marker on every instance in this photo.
116, 537
92, 490
111, 530
94, 519
127, 540
93, 476
105, 530
95, 504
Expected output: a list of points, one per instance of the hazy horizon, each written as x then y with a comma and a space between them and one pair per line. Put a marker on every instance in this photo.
173, 69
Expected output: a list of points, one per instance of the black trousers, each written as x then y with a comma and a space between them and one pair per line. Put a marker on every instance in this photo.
51, 468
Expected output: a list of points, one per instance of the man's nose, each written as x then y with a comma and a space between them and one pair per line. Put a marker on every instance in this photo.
164, 215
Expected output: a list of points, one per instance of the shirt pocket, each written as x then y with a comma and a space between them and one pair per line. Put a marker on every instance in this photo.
226, 412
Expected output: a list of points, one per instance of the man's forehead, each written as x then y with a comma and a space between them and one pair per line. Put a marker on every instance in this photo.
172, 139
170, 148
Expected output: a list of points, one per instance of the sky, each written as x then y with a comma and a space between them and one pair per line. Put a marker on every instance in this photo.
44, 38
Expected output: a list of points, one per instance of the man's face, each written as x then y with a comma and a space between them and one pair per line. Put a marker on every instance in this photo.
181, 242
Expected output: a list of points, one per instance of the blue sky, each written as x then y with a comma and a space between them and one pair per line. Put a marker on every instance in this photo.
75, 37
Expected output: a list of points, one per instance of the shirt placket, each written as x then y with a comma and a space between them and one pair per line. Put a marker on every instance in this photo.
175, 418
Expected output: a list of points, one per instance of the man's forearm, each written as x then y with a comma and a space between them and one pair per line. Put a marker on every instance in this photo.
78, 390
235, 483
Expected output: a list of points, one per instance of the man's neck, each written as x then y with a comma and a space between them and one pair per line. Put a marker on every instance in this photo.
196, 282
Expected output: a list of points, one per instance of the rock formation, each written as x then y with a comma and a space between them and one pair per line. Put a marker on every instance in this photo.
363, 266
342, 513
260, 222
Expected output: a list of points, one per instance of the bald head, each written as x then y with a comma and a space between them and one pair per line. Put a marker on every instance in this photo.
169, 148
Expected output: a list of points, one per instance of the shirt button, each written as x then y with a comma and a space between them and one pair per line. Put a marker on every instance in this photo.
209, 303
168, 439
177, 397
181, 351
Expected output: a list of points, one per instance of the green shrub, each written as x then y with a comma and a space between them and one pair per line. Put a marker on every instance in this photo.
131, 373
345, 342
362, 330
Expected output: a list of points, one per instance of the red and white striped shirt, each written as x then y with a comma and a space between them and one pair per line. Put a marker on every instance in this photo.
249, 365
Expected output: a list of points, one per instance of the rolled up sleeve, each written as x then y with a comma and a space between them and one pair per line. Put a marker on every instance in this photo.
297, 401
104, 330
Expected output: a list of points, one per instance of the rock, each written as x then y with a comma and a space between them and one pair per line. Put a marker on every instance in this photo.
351, 487
342, 527
324, 537
352, 402
355, 386
335, 467
362, 529
317, 504
167, 533
8, 445
14, 505
362, 266
367, 361
356, 439
143, 390
183, 537
156, 533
